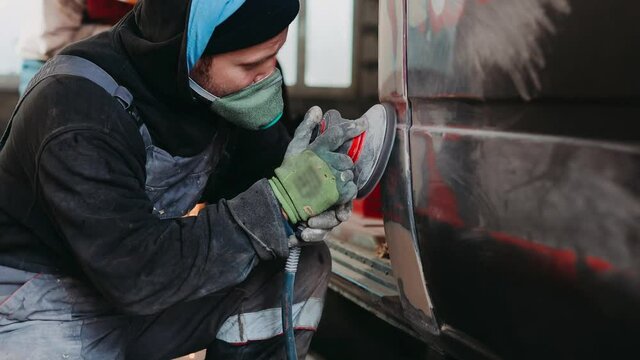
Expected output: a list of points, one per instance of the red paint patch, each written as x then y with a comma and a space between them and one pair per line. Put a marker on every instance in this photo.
563, 261
356, 146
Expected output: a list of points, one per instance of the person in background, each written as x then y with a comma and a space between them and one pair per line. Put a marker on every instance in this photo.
54, 24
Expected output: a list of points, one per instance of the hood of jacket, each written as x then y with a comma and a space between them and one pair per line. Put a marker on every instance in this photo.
150, 51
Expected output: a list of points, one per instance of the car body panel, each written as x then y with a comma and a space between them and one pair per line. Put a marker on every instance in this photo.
514, 174
399, 224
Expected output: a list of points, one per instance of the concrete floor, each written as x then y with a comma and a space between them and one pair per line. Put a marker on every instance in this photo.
347, 331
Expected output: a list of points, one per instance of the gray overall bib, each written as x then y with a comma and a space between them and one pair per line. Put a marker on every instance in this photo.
54, 316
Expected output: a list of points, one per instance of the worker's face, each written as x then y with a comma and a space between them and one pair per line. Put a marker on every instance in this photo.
226, 73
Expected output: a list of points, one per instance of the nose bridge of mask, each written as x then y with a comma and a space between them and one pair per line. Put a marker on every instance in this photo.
266, 77
273, 79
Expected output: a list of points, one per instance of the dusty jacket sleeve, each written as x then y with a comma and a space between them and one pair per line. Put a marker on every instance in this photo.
93, 191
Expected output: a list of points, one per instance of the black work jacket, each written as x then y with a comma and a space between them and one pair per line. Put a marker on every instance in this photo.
72, 190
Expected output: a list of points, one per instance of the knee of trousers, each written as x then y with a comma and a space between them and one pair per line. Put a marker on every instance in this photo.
316, 259
261, 322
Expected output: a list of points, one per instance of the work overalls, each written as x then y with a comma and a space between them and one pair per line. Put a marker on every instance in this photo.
54, 316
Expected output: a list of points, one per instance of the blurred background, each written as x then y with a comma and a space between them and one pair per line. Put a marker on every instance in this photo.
329, 59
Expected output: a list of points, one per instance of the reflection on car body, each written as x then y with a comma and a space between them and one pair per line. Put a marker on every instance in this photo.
512, 209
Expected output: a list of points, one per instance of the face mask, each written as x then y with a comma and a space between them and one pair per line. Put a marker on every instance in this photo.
256, 107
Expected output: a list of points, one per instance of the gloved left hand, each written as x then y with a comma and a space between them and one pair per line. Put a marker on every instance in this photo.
314, 177
317, 228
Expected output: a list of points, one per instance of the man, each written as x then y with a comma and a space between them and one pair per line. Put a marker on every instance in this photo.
100, 253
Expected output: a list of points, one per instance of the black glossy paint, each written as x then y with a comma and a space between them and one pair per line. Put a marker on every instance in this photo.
525, 268
497, 49
524, 305
524, 173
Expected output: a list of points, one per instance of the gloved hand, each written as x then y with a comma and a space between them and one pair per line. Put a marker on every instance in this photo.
313, 177
317, 228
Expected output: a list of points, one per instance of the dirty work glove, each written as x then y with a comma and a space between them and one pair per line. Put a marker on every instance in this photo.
317, 228
313, 177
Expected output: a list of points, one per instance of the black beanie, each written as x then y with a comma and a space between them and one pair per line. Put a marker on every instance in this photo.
256, 21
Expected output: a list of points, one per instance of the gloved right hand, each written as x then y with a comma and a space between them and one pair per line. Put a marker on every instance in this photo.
313, 176
317, 228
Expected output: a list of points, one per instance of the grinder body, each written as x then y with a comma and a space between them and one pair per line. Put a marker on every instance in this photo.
370, 151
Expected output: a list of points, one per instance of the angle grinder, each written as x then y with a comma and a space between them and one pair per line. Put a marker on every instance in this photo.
370, 152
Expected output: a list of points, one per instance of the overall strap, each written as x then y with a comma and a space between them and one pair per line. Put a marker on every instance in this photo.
76, 66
